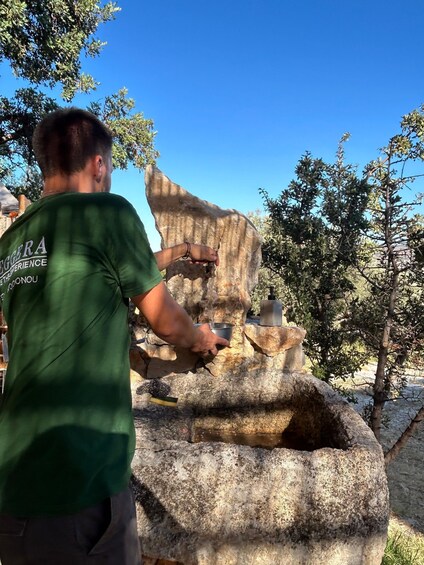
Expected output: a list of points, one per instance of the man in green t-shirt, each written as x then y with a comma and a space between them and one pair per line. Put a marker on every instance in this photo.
68, 267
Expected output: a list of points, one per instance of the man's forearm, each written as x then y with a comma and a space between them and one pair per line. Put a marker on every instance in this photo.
167, 318
180, 331
167, 256
172, 323
195, 252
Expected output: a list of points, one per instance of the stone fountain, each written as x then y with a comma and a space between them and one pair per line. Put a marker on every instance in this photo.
258, 462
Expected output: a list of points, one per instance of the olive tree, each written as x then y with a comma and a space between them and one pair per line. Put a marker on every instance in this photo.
43, 42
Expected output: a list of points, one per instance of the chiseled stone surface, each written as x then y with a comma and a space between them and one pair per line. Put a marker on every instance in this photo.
220, 294
253, 347
228, 359
273, 340
324, 500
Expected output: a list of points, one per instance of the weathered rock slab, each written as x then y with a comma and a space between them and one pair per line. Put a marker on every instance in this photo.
207, 293
324, 499
274, 340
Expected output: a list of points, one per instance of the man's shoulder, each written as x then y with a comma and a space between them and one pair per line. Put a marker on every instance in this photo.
103, 203
113, 207
104, 199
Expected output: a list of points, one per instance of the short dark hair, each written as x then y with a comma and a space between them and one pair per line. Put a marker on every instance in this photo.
65, 139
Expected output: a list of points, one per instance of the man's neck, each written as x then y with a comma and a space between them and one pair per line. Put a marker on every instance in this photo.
94, 177
59, 184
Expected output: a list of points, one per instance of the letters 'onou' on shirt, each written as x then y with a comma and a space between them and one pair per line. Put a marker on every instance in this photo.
67, 268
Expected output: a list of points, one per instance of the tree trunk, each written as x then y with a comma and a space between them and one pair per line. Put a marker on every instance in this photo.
392, 272
379, 389
379, 395
401, 442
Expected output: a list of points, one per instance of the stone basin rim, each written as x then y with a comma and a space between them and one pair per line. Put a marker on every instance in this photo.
204, 400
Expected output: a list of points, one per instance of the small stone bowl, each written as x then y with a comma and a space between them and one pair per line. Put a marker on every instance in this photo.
222, 329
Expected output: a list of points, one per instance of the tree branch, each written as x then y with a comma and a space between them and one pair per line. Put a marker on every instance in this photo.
12, 136
401, 442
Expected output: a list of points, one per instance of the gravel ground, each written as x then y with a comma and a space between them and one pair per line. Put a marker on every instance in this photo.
406, 472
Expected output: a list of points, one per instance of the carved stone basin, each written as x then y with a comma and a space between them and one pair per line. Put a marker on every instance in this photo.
313, 491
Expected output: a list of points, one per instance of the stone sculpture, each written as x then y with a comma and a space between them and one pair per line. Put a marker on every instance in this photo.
214, 294
223, 294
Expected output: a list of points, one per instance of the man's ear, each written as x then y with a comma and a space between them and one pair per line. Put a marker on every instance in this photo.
97, 167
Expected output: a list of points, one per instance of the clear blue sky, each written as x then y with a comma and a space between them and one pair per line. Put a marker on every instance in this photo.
240, 89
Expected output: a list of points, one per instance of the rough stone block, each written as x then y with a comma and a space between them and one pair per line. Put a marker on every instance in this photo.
273, 340
210, 493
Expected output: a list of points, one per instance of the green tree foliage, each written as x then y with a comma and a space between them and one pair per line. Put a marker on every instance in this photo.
133, 134
315, 232
351, 251
42, 42
18, 118
266, 277
416, 237
390, 319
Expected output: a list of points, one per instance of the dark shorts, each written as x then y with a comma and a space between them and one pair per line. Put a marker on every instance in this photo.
103, 534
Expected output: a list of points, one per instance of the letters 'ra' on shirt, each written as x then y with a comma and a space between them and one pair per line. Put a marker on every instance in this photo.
67, 268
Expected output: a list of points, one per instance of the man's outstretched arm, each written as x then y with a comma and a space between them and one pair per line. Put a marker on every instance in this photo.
196, 253
172, 323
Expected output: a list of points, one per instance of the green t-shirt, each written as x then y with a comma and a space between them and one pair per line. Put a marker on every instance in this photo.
67, 268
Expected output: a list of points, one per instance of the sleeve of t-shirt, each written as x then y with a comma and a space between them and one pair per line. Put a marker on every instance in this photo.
133, 259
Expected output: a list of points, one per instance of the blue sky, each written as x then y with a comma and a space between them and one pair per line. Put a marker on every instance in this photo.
240, 89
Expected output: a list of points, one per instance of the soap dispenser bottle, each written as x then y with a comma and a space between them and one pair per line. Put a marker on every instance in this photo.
271, 310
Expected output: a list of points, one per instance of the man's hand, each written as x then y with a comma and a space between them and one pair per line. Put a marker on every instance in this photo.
203, 254
196, 253
207, 341
171, 322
